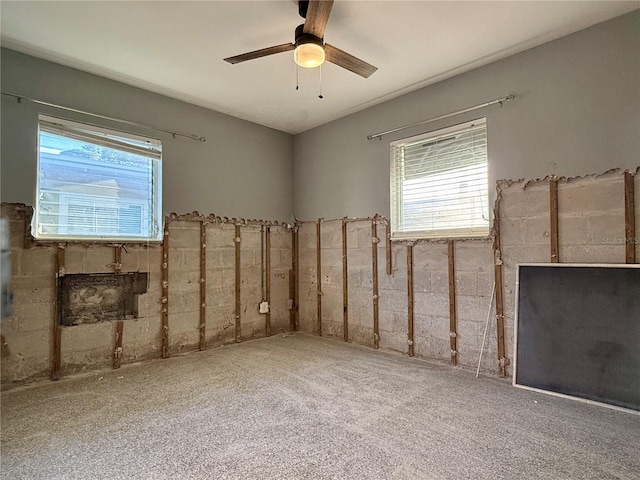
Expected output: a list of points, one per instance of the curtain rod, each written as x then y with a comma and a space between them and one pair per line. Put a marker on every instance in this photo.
104, 117
470, 109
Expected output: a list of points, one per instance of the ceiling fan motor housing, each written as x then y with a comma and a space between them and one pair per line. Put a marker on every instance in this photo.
302, 38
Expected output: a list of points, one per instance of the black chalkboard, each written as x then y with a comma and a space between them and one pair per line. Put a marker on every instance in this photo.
578, 331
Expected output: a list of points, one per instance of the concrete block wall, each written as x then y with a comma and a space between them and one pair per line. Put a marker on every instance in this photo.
591, 227
474, 281
27, 350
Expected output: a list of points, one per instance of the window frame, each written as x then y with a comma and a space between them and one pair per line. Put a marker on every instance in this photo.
126, 142
397, 204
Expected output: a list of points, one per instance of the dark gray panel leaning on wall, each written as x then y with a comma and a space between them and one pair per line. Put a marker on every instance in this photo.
578, 331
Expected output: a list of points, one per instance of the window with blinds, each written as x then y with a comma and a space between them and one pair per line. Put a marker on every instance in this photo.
439, 183
96, 184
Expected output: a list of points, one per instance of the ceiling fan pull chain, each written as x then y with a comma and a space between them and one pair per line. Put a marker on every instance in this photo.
297, 77
320, 69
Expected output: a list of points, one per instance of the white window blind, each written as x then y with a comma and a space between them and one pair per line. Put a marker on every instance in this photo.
96, 184
439, 183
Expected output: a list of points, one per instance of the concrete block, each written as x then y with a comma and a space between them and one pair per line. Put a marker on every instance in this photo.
607, 229
100, 259
182, 322
184, 342
421, 281
219, 237
75, 257
332, 275
432, 304
249, 258
228, 257
352, 235
37, 261
150, 260
250, 276
526, 254
184, 234
220, 297
393, 341
472, 308
365, 236
394, 301
33, 290
34, 316
333, 330
573, 231
181, 302
484, 285
22, 345
394, 321
88, 337
440, 282
251, 236
593, 254
473, 256
532, 201
281, 238
332, 257
183, 281
536, 231
431, 337
430, 256
213, 260
141, 331
466, 283
189, 260
511, 231
130, 259
331, 235
287, 258
358, 258
396, 281
591, 194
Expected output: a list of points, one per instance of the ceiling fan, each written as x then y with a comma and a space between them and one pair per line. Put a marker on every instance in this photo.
310, 51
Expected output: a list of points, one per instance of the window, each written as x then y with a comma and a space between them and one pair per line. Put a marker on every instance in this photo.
439, 183
96, 184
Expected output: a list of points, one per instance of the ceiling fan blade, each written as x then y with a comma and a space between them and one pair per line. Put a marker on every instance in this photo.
263, 52
348, 61
317, 17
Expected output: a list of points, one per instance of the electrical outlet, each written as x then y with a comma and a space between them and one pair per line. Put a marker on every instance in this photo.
264, 307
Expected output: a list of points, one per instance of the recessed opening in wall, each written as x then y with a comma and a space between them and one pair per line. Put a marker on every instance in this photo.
99, 297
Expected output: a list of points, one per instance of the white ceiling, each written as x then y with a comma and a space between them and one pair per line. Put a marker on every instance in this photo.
176, 47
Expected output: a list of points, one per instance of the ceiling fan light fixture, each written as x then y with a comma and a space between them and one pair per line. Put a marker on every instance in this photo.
309, 55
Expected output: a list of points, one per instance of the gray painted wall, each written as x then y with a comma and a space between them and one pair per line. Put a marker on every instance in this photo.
243, 169
577, 112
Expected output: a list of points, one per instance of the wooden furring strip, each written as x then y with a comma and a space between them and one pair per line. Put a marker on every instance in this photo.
117, 350
374, 266
237, 241
203, 285
293, 281
497, 265
345, 282
388, 248
630, 218
319, 276
267, 280
410, 297
165, 290
57, 321
453, 330
553, 200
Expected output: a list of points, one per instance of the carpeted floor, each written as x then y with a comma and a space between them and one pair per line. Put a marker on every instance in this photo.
304, 407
